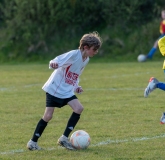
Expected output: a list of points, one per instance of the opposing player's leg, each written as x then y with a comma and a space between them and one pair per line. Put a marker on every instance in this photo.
74, 118
162, 119
151, 86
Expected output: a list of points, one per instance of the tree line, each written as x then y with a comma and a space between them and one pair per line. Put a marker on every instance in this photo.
40, 27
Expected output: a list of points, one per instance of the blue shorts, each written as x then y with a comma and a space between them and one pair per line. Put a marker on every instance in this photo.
52, 101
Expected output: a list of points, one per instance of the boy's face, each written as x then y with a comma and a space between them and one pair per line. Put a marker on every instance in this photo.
163, 14
90, 52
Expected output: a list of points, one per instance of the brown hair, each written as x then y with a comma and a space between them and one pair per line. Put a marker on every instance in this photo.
91, 39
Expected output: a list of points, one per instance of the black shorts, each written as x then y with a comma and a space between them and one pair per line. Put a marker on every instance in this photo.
52, 101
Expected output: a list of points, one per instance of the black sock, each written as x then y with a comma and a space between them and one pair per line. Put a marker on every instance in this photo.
39, 129
71, 123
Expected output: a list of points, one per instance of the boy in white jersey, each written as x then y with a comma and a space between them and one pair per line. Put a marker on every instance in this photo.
62, 84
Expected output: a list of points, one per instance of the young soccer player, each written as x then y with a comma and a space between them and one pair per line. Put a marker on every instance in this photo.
62, 84
153, 82
162, 34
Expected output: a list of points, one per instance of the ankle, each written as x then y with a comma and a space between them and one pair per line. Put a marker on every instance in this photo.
63, 136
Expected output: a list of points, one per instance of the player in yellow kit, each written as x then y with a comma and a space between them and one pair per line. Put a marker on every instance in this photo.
153, 82
162, 34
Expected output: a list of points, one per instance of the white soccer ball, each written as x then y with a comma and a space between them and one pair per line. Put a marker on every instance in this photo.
80, 139
141, 58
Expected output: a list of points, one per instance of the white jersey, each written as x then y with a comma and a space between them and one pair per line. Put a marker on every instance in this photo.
64, 80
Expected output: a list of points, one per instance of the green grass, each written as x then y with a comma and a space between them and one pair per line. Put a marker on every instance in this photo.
121, 122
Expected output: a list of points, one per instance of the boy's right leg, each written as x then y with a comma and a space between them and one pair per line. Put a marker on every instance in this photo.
32, 144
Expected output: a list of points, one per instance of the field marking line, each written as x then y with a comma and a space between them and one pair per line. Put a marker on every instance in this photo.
112, 76
87, 89
112, 89
109, 141
13, 88
122, 75
128, 140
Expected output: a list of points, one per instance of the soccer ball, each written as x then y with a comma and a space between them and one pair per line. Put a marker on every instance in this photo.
80, 139
141, 58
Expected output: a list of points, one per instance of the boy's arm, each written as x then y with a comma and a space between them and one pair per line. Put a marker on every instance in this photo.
57, 62
78, 89
53, 65
161, 44
63, 60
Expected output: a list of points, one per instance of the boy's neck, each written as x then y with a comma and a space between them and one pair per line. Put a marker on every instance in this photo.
84, 56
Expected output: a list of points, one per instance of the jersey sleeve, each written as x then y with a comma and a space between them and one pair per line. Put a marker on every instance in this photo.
64, 60
161, 44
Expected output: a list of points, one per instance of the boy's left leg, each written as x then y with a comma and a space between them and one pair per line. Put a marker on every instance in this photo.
74, 118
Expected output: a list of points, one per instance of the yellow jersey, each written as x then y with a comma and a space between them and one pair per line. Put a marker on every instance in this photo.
161, 44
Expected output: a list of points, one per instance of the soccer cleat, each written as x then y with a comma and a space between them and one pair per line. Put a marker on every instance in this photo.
162, 119
33, 146
64, 142
151, 86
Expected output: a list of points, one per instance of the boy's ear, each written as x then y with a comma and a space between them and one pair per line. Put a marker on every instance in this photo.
86, 47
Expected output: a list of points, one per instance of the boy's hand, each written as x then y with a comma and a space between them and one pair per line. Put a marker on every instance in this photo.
79, 90
53, 65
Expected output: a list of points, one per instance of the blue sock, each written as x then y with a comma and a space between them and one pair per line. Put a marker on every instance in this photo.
161, 86
151, 53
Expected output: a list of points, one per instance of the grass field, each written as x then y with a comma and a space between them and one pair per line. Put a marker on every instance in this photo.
123, 125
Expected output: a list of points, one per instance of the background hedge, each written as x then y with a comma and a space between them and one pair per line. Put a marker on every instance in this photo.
41, 29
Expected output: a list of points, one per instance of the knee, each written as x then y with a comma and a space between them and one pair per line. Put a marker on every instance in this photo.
79, 109
47, 117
